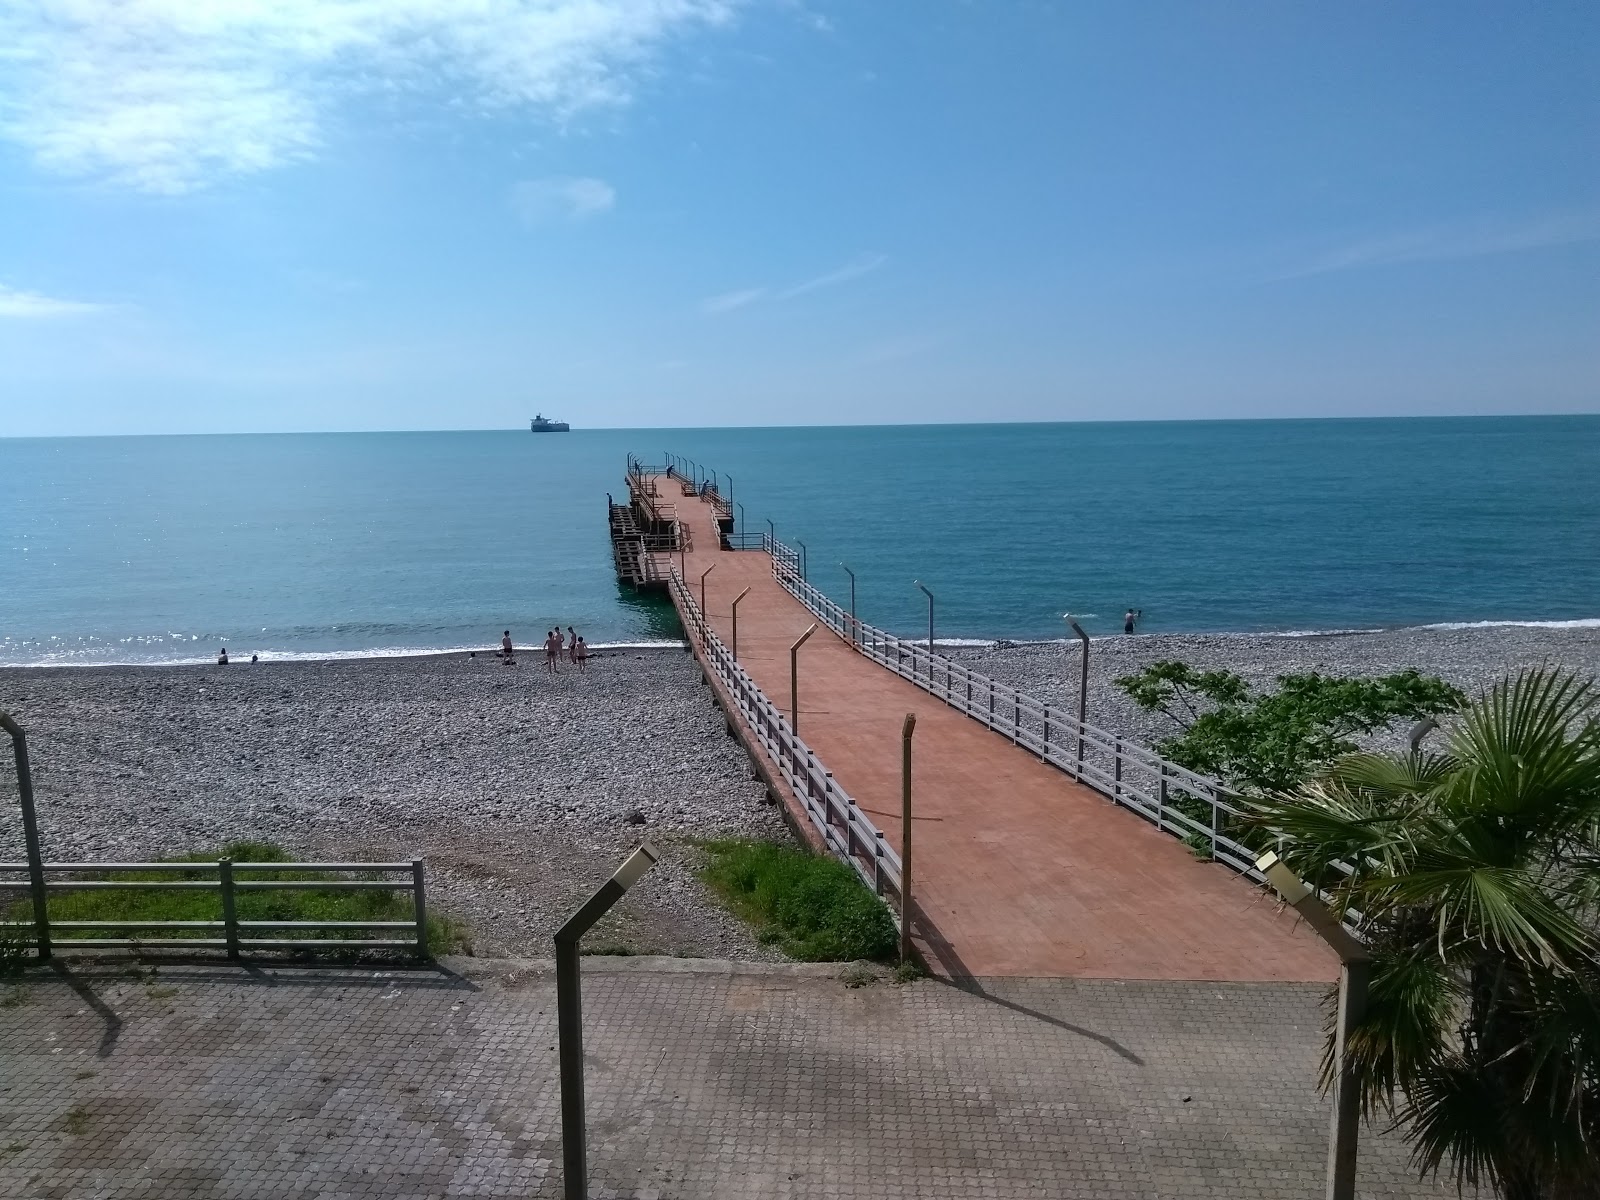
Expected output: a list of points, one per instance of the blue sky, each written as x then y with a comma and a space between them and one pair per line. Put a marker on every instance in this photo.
380, 214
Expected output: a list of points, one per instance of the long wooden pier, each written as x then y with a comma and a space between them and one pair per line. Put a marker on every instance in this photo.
1040, 847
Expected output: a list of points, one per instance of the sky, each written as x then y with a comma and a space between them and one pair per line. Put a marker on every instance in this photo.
276, 215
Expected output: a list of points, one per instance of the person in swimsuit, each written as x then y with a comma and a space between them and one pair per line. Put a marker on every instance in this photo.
552, 650
508, 652
580, 654
1130, 617
572, 643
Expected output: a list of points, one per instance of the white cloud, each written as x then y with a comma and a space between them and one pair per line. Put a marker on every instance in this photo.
729, 301
558, 198
170, 95
854, 269
14, 303
1442, 243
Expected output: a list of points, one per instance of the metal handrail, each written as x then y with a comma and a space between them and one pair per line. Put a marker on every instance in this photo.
1123, 771
846, 829
228, 886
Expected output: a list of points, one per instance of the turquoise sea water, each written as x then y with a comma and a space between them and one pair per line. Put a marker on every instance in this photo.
162, 548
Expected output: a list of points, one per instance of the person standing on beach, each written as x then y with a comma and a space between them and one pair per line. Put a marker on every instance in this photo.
572, 644
552, 650
1130, 617
580, 654
508, 651
222, 659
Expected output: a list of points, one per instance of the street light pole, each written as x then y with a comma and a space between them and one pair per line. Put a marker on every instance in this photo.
929, 595
569, 1015
794, 678
740, 507
703, 612
1083, 684
905, 835
772, 538
854, 637
30, 836
1355, 972
802, 546
736, 600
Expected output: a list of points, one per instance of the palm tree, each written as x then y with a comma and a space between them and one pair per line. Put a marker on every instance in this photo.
1474, 877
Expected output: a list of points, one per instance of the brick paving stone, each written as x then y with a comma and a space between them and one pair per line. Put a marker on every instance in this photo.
705, 1081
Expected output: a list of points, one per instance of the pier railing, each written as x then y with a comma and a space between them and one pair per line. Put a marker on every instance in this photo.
845, 828
1198, 809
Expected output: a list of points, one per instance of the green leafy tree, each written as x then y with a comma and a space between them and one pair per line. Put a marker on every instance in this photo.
1272, 742
1476, 877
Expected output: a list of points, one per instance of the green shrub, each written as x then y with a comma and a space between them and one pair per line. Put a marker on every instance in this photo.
815, 908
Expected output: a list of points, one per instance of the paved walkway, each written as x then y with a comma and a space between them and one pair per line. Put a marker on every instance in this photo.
1017, 869
706, 1082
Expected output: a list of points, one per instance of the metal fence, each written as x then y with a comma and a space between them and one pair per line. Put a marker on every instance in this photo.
1196, 808
228, 879
846, 830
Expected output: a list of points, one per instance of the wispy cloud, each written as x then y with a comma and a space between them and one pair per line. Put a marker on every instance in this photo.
1460, 240
171, 95
561, 198
26, 305
729, 301
861, 265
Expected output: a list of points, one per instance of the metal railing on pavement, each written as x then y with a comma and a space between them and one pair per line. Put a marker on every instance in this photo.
236, 934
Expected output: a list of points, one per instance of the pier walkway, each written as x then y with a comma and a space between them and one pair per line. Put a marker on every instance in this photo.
1017, 869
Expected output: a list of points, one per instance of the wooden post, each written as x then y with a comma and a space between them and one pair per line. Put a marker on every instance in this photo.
906, 731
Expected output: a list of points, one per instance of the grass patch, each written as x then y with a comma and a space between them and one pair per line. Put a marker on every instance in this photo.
609, 950
815, 908
77, 1120
377, 904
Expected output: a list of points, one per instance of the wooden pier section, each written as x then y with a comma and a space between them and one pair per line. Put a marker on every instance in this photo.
1018, 869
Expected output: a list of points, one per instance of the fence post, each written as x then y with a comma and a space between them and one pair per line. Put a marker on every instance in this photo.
1016, 718
419, 907
1047, 731
30, 834
1161, 800
230, 916
1116, 753
877, 862
1213, 824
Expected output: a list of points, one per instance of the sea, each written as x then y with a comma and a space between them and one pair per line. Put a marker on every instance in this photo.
308, 546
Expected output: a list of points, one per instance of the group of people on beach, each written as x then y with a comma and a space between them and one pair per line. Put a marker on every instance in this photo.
571, 645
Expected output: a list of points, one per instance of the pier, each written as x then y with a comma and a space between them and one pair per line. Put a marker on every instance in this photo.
1041, 846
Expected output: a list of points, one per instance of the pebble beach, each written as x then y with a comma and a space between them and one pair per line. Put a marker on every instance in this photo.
523, 790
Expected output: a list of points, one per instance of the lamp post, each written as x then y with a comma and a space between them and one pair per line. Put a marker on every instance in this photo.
854, 637
569, 1015
906, 730
736, 600
1355, 972
802, 546
703, 575
772, 538
929, 595
1419, 731
794, 678
741, 520
30, 836
1083, 683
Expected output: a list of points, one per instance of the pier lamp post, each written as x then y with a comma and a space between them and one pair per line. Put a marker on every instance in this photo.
794, 679
854, 637
1083, 683
905, 836
741, 521
1355, 971
802, 546
736, 600
569, 1015
772, 538
703, 575
929, 595
730, 489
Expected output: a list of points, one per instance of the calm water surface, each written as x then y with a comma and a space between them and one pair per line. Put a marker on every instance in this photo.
161, 548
